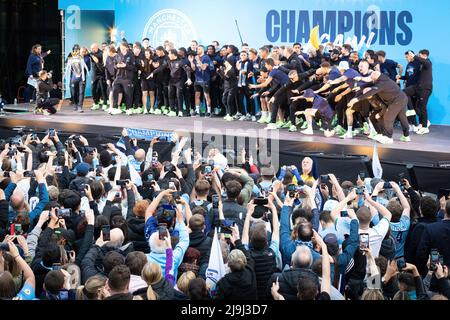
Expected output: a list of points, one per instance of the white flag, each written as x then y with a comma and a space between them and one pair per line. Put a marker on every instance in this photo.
216, 267
376, 165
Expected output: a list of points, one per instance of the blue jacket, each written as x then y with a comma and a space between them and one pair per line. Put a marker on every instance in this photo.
34, 65
43, 200
178, 251
288, 246
352, 245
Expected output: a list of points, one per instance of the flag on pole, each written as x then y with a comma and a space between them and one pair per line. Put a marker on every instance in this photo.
216, 267
376, 165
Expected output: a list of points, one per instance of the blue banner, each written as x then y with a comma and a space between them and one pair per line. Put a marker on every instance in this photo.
146, 134
394, 26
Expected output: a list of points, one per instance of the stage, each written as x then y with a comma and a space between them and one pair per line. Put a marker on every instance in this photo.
424, 151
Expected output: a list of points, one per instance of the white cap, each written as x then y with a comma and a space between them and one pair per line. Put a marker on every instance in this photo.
344, 65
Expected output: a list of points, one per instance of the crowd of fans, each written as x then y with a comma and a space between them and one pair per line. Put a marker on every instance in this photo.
118, 223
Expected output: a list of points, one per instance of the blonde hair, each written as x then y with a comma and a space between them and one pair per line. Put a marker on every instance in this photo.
237, 260
90, 289
184, 280
151, 274
372, 294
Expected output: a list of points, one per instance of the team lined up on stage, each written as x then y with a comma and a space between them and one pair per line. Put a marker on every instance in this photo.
332, 88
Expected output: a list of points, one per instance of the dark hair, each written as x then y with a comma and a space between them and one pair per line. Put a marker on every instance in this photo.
325, 216
97, 189
258, 237
7, 285
407, 279
197, 222
407, 52
69, 199
297, 44
174, 52
202, 187
347, 47
54, 281
136, 261
111, 260
381, 53
119, 278
105, 158
159, 48
447, 208
425, 52
382, 264
300, 212
34, 48
197, 289
145, 39
233, 189
118, 221
305, 232
270, 62
428, 207
51, 254
307, 288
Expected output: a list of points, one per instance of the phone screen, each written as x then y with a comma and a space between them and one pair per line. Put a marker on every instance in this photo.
172, 186
106, 231
364, 241
162, 230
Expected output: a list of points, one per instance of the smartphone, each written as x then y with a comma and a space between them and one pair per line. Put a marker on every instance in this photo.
362, 175
344, 214
168, 167
98, 171
57, 266
28, 174
211, 163
434, 259
360, 191
172, 186
4, 247
363, 241
17, 229
106, 232
261, 201
51, 132
292, 189
162, 230
6, 174
63, 213
154, 161
401, 264
121, 183
215, 201
150, 177
387, 185
207, 170
324, 178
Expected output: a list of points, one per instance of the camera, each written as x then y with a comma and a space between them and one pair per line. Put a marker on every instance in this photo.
324, 178
260, 209
207, 169
387, 185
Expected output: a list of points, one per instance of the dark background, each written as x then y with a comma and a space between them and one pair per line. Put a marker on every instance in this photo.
24, 23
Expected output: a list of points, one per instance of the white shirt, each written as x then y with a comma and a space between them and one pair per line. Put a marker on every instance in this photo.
376, 236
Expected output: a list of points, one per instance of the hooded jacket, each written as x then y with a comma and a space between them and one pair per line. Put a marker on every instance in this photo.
136, 234
288, 281
199, 241
163, 289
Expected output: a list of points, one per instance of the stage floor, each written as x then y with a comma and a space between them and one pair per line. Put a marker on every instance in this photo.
425, 149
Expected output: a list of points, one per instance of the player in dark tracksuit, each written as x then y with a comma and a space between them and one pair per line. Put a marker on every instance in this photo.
137, 93
110, 74
178, 73
188, 82
44, 86
423, 89
396, 100
229, 74
411, 78
125, 66
161, 75
99, 91
245, 67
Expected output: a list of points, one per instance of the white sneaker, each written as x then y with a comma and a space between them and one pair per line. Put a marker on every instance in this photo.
253, 119
129, 112
428, 124
417, 128
308, 131
410, 113
348, 135
242, 118
386, 140
271, 126
423, 131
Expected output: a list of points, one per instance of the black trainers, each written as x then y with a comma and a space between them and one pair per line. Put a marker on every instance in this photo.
208, 115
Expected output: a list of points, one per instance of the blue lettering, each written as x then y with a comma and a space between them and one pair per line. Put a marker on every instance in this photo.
287, 25
345, 22
367, 20
273, 26
387, 28
330, 22
358, 24
303, 29
404, 18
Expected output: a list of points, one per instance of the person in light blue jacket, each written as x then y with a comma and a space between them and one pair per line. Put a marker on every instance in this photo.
158, 247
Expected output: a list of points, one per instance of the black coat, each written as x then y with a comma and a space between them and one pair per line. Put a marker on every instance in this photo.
136, 235
239, 285
414, 237
288, 281
163, 289
202, 243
